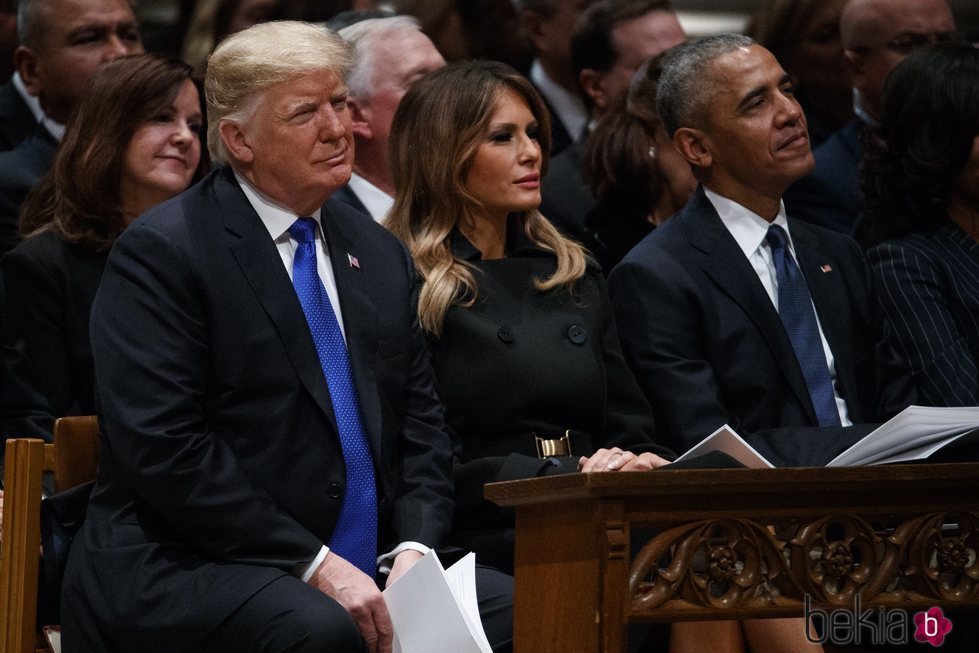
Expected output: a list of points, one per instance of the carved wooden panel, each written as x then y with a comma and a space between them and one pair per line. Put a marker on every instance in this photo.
741, 563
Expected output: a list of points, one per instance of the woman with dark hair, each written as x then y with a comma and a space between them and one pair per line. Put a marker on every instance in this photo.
524, 347
133, 142
635, 173
922, 189
804, 35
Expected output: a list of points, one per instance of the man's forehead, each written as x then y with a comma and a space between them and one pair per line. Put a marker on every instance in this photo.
885, 19
315, 84
74, 13
744, 68
660, 29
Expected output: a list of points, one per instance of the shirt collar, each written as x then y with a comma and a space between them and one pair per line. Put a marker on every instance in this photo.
276, 218
31, 101
570, 108
375, 200
56, 129
748, 228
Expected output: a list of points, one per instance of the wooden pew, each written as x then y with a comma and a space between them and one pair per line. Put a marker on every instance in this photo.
735, 544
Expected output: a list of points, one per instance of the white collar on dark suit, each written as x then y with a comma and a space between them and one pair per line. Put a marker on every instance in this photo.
569, 107
277, 220
749, 230
375, 200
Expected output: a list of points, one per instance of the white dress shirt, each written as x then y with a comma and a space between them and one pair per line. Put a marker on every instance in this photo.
568, 107
749, 230
277, 220
376, 201
56, 129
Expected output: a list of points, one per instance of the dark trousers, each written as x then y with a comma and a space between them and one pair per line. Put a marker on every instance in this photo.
289, 615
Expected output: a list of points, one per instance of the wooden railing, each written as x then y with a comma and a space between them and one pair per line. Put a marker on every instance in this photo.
595, 552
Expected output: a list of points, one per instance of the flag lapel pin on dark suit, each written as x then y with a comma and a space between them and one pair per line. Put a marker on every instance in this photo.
354, 263
826, 268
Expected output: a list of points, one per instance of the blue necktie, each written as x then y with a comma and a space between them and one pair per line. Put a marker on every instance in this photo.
799, 320
355, 535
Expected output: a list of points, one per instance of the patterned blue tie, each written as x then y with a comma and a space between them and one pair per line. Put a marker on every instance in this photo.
799, 320
355, 536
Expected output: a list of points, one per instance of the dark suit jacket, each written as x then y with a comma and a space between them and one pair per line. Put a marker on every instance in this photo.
20, 170
830, 196
49, 285
928, 287
17, 122
346, 195
565, 198
708, 347
221, 466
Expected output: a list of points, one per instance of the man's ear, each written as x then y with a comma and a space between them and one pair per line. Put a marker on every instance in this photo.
693, 145
360, 119
590, 81
27, 64
236, 141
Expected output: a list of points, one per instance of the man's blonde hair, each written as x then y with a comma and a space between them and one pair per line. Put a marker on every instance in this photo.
248, 63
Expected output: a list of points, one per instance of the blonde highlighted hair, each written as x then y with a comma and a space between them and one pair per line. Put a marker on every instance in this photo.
250, 62
437, 129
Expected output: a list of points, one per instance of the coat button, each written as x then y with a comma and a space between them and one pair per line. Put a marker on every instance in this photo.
505, 334
336, 491
577, 334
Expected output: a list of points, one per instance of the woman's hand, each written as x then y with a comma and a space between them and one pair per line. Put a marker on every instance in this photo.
615, 459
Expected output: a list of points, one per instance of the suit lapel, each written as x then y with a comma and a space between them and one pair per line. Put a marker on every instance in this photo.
359, 316
261, 265
726, 265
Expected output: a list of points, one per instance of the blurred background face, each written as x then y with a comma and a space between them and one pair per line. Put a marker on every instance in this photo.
400, 60
551, 35
81, 34
818, 59
505, 172
251, 12
635, 40
164, 152
881, 34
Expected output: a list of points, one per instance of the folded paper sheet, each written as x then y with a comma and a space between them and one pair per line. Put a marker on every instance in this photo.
435, 610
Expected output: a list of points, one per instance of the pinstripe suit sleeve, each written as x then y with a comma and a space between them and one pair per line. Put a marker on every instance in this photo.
916, 295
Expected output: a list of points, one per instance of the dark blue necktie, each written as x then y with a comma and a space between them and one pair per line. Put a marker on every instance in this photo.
355, 535
799, 320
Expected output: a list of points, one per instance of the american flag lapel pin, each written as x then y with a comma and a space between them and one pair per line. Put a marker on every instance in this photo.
354, 263
826, 267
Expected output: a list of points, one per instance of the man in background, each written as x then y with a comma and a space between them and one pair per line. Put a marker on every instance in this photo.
611, 39
549, 25
876, 36
392, 54
61, 44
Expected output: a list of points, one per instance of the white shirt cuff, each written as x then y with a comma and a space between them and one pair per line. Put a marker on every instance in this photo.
385, 561
317, 561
